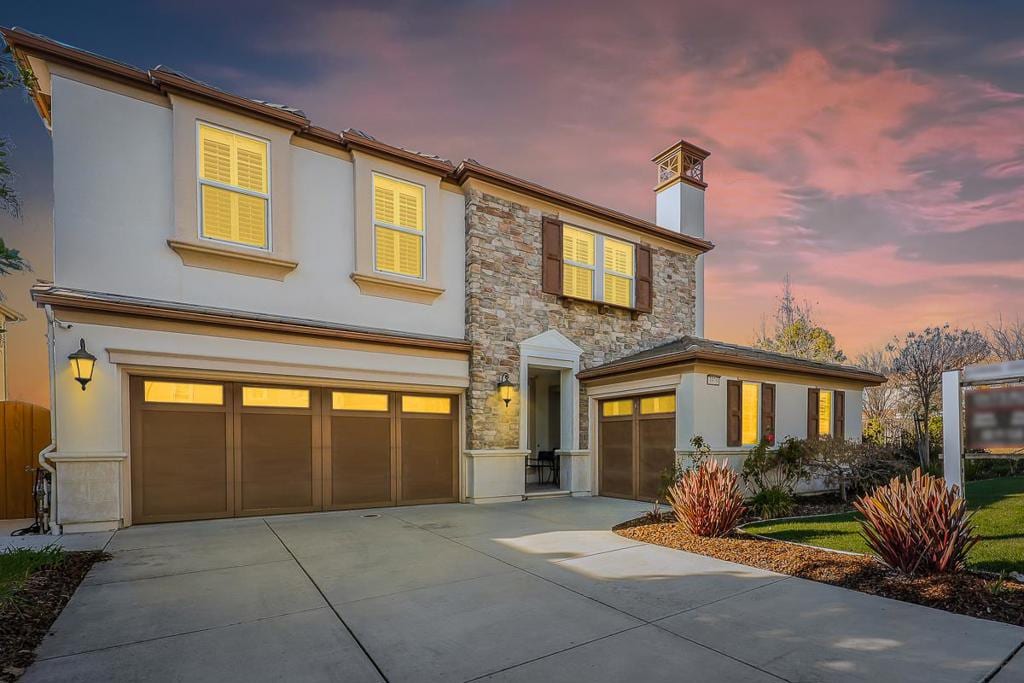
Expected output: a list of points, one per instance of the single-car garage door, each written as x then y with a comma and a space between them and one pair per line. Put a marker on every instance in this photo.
203, 449
636, 438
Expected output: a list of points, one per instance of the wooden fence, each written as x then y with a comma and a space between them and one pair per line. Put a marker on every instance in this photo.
24, 431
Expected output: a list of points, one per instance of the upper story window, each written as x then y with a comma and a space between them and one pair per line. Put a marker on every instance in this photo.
398, 220
597, 267
234, 187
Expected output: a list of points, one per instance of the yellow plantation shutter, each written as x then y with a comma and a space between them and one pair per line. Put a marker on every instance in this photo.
215, 148
383, 201
577, 248
233, 161
618, 266
824, 412
398, 226
618, 256
618, 290
749, 413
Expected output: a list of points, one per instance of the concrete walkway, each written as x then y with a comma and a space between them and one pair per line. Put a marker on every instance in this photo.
534, 591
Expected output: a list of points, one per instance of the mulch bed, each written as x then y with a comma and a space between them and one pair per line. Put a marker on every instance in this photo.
967, 593
28, 615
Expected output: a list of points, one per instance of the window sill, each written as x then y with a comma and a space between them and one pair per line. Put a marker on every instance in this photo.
393, 288
602, 306
199, 255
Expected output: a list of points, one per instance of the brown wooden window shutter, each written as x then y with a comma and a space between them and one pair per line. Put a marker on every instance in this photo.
551, 259
768, 412
644, 280
839, 415
812, 413
734, 413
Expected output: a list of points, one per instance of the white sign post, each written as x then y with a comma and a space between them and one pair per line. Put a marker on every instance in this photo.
952, 441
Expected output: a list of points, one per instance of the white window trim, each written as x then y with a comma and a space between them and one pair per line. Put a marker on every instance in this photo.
598, 270
200, 181
757, 407
422, 234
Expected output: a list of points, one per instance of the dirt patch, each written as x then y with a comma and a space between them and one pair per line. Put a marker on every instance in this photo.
967, 593
28, 614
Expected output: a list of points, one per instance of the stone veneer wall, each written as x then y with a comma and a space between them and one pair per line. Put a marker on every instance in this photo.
505, 305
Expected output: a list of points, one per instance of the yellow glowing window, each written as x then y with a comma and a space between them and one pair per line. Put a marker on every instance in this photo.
824, 412
438, 405
618, 272
183, 392
397, 226
267, 397
750, 410
578, 255
652, 405
234, 187
619, 408
350, 400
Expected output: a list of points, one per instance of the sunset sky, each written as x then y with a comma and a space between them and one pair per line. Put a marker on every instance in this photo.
874, 151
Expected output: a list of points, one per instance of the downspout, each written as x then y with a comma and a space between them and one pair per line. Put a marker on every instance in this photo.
51, 343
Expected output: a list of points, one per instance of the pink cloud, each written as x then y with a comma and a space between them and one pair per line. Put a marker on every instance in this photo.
580, 95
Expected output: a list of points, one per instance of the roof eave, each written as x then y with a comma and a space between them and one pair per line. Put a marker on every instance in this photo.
671, 359
469, 169
48, 294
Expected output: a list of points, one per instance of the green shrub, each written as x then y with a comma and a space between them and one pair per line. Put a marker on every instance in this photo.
773, 502
917, 525
707, 500
780, 469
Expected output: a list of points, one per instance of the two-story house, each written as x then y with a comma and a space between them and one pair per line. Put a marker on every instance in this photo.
289, 319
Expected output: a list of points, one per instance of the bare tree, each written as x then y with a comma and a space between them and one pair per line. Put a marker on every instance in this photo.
1007, 339
920, 358
881, 403
795, 333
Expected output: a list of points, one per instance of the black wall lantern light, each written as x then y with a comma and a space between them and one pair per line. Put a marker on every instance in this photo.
82, 364
505, 388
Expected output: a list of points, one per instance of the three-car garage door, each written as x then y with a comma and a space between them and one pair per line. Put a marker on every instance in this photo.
637, 438
203, 450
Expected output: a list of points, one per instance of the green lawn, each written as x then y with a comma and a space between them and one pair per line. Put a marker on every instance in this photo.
999, 519
16, 565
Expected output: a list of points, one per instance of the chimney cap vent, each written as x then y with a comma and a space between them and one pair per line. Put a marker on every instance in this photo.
682, 161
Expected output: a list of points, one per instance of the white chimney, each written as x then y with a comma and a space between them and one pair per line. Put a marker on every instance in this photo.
680, 203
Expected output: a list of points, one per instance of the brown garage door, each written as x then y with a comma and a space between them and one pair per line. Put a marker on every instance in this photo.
636, 438
217, 449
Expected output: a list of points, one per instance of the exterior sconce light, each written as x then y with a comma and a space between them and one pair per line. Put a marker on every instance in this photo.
82, 364
505, 388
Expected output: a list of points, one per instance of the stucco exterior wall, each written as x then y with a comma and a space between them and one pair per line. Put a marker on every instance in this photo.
114, 210
505, 305
709, 408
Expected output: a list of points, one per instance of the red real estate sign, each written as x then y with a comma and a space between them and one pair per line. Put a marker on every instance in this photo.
995, 418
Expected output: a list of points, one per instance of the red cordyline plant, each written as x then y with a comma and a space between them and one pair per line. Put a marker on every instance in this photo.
707, 500
917, 525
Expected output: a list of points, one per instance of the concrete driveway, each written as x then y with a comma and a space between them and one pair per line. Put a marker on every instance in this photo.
534, 591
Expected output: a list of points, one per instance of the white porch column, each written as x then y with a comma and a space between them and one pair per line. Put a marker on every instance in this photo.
952, 445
